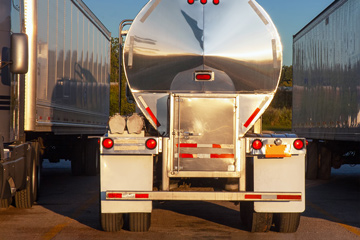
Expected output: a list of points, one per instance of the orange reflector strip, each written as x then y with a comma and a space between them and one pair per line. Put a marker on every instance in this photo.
251, 118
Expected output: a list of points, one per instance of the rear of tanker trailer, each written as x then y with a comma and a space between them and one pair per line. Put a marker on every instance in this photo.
202, 74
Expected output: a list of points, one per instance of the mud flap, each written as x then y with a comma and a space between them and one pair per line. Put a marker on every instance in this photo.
280, 175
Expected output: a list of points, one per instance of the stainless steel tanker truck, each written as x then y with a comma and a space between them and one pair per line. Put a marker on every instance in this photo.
201, 73
326, 92
54, 91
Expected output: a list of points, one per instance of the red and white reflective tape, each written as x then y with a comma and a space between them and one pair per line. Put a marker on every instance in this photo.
127, 196
273, 197
255, 113
196, 145
152, 115
205, 155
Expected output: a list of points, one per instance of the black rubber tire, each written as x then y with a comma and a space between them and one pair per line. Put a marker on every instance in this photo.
312, 160
36, 170
92, 157
5, 203
139, 222
255, 222
287, 222
24, 198
324, 171
112, 222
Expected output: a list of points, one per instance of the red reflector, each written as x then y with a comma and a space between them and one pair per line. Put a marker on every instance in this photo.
289, 197
108, 143
141, 195
191, 1
251, 118
216, 2
252, 196
151, 143
153, 117
257, 144
203, 77
299, 144
114, 195
203, 1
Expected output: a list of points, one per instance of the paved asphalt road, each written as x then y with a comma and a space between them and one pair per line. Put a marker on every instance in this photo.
68, 208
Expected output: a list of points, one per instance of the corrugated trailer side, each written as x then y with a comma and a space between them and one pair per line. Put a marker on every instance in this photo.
67, 90
54, 86
68, 83
326, 91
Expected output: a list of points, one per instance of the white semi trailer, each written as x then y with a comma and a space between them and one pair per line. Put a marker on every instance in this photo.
54, 91
201, 73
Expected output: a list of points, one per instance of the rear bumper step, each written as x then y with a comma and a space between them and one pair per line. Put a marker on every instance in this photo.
206, 196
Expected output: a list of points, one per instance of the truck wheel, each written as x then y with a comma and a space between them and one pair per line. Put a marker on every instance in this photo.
5, 203
24, 198
112, 222
139, 222
255, 222
287, 222
36, 170
312, 160
325, 163
92, 157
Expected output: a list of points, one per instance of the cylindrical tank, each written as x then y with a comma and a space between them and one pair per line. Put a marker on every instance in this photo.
171, 40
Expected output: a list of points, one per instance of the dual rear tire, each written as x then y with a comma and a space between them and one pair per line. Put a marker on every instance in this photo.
26, 197
114, 222
263, 222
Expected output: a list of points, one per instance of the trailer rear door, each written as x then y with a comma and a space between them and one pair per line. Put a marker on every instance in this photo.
203, 134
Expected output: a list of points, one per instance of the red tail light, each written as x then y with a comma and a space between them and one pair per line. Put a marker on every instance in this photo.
203, 1
257, 144
203, 77
191, 1
216, 2
299, 144
151, 143
108, 143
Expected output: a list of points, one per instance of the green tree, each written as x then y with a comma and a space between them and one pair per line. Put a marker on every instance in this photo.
286, 77
114, 75
126, 108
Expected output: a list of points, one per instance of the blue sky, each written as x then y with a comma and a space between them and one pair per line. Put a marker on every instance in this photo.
289, 16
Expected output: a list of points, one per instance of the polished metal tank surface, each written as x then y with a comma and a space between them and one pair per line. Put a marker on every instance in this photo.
171, 39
